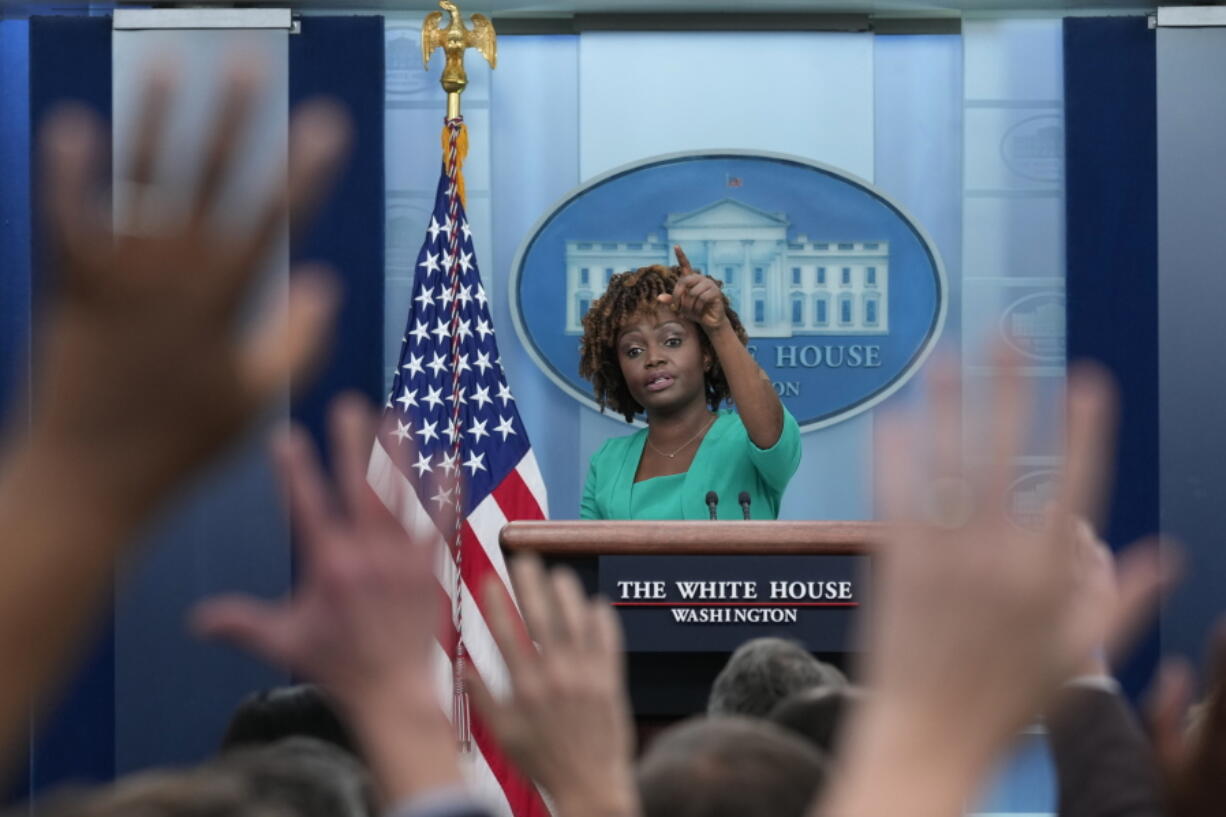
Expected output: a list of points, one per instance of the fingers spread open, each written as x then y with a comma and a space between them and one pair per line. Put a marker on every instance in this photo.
1090, 433
260, 627
535, 596
318, 139
570, 622
1009, 418
159, 88
351, 429
1167, 710
290, 340
1145, 571
239, 87
311, 504
944, 400
69, 151
500, 615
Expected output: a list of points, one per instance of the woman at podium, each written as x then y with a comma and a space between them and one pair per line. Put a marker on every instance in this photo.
664, 342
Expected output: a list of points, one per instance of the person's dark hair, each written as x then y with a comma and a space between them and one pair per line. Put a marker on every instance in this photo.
308, 776
628, 294
817, 714
297, 777
160, 793
729, 767
764, 671
271, 714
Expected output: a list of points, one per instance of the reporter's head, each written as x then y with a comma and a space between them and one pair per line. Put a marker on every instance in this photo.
764, 671
729, 767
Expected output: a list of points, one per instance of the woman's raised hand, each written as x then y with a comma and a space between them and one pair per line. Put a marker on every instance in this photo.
696, 296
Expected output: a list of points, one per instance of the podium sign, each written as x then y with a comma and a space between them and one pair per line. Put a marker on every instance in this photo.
714, 603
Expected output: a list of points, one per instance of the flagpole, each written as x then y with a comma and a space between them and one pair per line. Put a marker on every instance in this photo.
454, 40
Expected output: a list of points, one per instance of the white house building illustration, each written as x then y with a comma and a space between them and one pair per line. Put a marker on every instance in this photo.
780, 286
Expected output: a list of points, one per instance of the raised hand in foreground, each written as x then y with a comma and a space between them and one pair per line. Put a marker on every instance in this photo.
139, 377
361, 621
975, 622
1192, 755
566, 722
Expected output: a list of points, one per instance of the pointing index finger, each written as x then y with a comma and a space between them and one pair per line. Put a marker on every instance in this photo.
682, 260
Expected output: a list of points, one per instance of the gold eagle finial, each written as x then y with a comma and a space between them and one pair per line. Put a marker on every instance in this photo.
454, 39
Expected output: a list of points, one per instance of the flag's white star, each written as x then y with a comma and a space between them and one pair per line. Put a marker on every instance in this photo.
438, 365
447, 462
461, 364
402, 431
425, 297
483, 361
464, 329
442, 496
474, 463
477, 429
434, 229
465, 294
414, 365
504, 428
452, 431
480, 296
504, 394
388, 404
427, 432
468, 234
451, 398
466, 261
431, 263
423, 464
408, 399
420, 332
447, 297
481, 394
435, 397
442, 330
449, 226
484, 328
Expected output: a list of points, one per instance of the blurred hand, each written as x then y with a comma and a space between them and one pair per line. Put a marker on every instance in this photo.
1191, 756
977, 621
696, 297
141, 374
1113, 598
566, 722
361, 620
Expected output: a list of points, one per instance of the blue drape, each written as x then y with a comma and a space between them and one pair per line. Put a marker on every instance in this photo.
70, 59
342, 57
1112, 229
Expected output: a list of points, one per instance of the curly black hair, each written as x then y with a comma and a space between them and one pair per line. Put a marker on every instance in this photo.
628, 294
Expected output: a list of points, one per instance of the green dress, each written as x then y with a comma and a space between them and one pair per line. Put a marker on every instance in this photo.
726, 462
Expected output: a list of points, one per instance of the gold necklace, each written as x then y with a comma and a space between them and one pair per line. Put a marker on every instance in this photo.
678, 449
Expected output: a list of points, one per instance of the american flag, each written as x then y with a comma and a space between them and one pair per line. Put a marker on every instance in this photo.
450, 412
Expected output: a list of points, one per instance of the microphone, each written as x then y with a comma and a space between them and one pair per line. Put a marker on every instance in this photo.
744, 500
712, 501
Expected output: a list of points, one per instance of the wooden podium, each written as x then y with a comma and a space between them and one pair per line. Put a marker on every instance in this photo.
665, 686
572, 539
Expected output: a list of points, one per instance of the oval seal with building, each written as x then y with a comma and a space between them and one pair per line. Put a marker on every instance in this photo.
842, 293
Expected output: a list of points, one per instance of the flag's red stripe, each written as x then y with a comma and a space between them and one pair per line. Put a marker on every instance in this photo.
475, 566
522, 795
515, 498
445, 632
